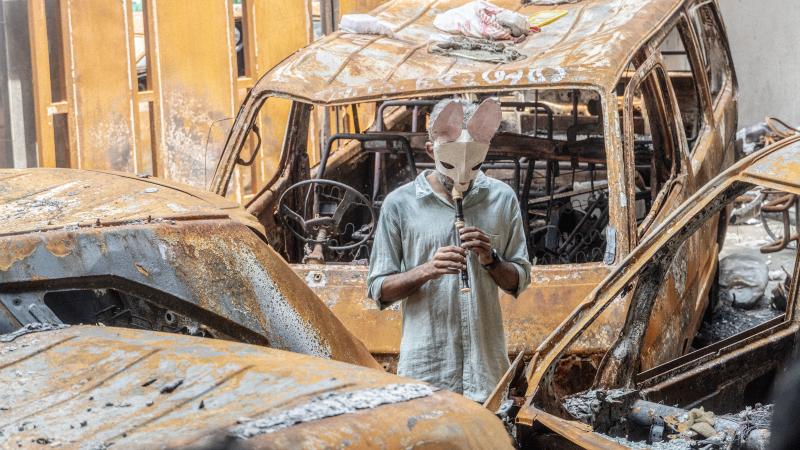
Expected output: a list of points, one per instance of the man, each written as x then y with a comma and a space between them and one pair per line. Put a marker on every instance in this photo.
452, 339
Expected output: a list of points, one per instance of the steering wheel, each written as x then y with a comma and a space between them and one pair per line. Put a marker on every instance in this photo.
322, 216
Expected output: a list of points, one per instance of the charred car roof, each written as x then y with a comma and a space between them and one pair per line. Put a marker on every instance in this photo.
590, 46
97, 386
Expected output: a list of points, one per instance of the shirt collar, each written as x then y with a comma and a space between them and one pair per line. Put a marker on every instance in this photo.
423, 187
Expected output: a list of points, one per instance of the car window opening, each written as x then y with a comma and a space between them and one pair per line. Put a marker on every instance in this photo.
715, 53
550, 150
684, 82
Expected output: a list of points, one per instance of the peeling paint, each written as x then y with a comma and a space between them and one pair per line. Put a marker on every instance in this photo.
31, 328
332, 404
62, 245
13, 250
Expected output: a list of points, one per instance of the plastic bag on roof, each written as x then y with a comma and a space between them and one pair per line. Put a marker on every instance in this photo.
365, 24
481, 19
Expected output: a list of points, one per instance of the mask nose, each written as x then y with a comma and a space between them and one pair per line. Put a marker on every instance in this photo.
463, 179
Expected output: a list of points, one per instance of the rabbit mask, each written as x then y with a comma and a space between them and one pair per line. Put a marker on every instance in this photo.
461, 138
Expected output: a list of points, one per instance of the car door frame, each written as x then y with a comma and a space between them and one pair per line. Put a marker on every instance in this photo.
736, 366
688, 276
705, 158
673, 125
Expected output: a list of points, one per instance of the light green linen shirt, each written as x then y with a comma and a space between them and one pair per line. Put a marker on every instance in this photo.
452, 340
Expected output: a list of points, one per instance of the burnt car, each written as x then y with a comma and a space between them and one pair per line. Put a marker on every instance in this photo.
89, 247
96, 387
613, 114
627, 403
164, 277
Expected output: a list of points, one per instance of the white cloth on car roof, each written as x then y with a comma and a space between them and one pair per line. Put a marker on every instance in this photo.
365, 24
481, 19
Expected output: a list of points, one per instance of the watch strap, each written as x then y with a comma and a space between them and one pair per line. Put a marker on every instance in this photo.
495, 261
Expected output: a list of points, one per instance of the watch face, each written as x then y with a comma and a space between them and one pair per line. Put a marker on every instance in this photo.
495, 260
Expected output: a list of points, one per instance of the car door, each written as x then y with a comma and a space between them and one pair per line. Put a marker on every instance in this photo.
683, 59
660, 180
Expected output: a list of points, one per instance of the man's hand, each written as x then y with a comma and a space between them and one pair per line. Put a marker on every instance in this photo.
478, 241
446, 261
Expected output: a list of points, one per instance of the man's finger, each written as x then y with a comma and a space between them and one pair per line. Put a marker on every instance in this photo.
477, 245
451, 254
456, 265
475, 235
452, 262
456, 261
451, 249
446, 271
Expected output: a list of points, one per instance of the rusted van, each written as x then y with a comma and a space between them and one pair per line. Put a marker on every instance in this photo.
613, 115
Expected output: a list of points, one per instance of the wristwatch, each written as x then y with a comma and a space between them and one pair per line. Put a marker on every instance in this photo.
495, 261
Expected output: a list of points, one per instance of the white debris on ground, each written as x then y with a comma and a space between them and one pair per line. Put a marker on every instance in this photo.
743, 268
674, 444
743, 278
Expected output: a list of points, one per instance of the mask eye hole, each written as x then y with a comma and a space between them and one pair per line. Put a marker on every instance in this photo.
447, 166
477, 167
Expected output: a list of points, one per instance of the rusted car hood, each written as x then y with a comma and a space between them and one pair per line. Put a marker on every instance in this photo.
88, 386
42, 199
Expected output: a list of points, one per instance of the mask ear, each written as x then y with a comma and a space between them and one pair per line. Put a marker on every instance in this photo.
447, 125
485, 121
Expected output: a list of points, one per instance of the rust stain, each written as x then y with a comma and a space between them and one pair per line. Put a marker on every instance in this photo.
141, 269
16, 249
61, 244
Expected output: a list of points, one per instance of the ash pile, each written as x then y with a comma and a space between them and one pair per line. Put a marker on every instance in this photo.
635, 423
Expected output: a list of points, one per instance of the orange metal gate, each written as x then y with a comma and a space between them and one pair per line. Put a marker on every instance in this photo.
95, 110
151, 86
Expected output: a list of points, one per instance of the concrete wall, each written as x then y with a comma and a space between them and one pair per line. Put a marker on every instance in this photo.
765, 42
17, 133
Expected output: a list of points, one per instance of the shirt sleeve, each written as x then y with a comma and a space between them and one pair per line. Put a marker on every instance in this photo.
387, 252
516, 251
